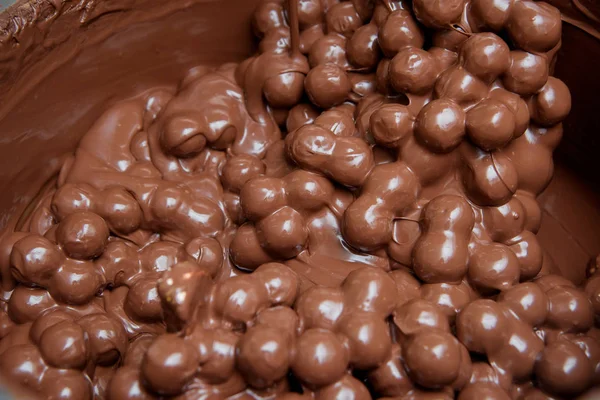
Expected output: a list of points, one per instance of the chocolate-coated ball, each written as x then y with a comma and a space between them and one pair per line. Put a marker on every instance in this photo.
440, 125
284, 90
83, 235
363, 47
320, 359
283, 233
327, 85
491, 13
413, 70
482, 326
485, 55
64, 345
121, 210
527, 73
170, 363
391, 124
439, 13
552, 103
398, 31
263, 356
432, 358
563, 369
534, 26
490, 124
34, 259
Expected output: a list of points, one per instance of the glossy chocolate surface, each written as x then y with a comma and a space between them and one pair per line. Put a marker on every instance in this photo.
349, 213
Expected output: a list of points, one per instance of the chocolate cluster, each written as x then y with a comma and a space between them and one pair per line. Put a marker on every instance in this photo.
349, 213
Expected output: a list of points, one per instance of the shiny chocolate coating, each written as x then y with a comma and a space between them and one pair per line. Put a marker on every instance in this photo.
349, 213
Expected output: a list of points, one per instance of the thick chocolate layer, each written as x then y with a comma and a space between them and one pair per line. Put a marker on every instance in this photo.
350, 212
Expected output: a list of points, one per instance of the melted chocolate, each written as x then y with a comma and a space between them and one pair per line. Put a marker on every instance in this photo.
351, 212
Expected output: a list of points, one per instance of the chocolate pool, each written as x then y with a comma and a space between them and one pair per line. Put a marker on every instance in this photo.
300, 199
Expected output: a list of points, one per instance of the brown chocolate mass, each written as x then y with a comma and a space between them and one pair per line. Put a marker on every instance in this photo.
350, 213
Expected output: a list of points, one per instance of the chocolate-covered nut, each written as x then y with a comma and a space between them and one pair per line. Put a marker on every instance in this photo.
432, 358
399, 30
245, 249
120, 210
26, 304
448, 297
280, 317
527, 301
458, 84
563, 369
283, 233
23, 365
284, 90
361, 285
526, 74
308, 191
485, 55
300, 114
529, 253
552, 103
490, 179
240, 169
391, 124
182, 136
216, 349
65, 345
440, 125
569, 309
262, 196
142, 302
420, 315
66, 384
438, 14
320, 358
339, 121
263, 356
540, 36
490, 125
329, 49
207, 253
491, 13
363, 47
483, 390
347, 386
320, 307
267, 16
342, 18
75, 282
481, 326
327, 85
34, 260
71, 198
440, 254
106, 338
280, 281
412, 70
519, 353
83, 235
170, 363
493, 267
369, 339
127, 384
239, 298
45, 321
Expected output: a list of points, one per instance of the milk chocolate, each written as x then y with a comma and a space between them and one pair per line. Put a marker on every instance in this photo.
350, 212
